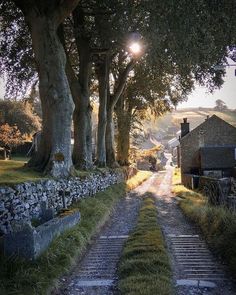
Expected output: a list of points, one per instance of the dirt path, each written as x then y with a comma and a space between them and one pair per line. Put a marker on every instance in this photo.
195, 269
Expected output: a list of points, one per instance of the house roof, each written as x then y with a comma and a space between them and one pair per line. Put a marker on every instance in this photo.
214, 119
174, 142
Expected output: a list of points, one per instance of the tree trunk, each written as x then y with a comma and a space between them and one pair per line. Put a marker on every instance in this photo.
123, 138
110, 149
82, 153
4, 154
102, 74
112, 101
54, 155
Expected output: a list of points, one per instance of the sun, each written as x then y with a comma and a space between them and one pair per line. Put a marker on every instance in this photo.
135, 48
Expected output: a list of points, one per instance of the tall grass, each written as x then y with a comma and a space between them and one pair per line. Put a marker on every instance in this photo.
218, 224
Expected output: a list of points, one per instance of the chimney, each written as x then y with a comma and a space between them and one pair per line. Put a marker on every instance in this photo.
207, 117
184, 128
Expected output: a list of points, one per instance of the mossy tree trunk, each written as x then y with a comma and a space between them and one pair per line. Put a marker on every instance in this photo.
43, 18
54, 154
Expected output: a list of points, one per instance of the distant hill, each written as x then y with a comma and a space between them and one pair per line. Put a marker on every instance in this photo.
197, 115
168, 124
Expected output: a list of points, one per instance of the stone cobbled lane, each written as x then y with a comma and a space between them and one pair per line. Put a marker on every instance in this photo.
96, 274
195, 270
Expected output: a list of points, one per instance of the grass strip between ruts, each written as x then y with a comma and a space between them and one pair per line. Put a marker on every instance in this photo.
20, 277
218, 224
144, 267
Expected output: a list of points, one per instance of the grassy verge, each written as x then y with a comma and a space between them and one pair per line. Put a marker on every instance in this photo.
20, 277
218, 224
133, 182
144, 267
14, 171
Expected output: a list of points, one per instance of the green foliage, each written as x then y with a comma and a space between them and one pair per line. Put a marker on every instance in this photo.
190, 39
144, 267
16, 54
179, 40
220, 105
218, 224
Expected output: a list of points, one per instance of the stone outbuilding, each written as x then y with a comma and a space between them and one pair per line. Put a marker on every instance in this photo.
209, 149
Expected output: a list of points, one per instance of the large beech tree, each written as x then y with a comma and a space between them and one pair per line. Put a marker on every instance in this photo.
43, 19
79, 77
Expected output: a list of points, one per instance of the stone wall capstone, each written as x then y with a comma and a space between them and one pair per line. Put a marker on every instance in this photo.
26, 201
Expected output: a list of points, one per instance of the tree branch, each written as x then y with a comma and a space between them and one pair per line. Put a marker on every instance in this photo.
98, 12
64, 10
100, 50
75, 87
121, 82
58, 10
24, 5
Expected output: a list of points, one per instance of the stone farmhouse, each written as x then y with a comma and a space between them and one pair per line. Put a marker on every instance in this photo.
208, 150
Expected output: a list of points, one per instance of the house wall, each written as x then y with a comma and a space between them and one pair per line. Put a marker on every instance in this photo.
211, 157
214, 131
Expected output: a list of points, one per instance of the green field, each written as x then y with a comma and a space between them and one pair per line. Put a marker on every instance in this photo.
14, 171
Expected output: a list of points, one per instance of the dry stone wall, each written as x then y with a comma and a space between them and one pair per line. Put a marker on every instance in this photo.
26, 201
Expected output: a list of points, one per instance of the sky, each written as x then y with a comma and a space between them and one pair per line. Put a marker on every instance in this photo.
227, 93
200, 97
